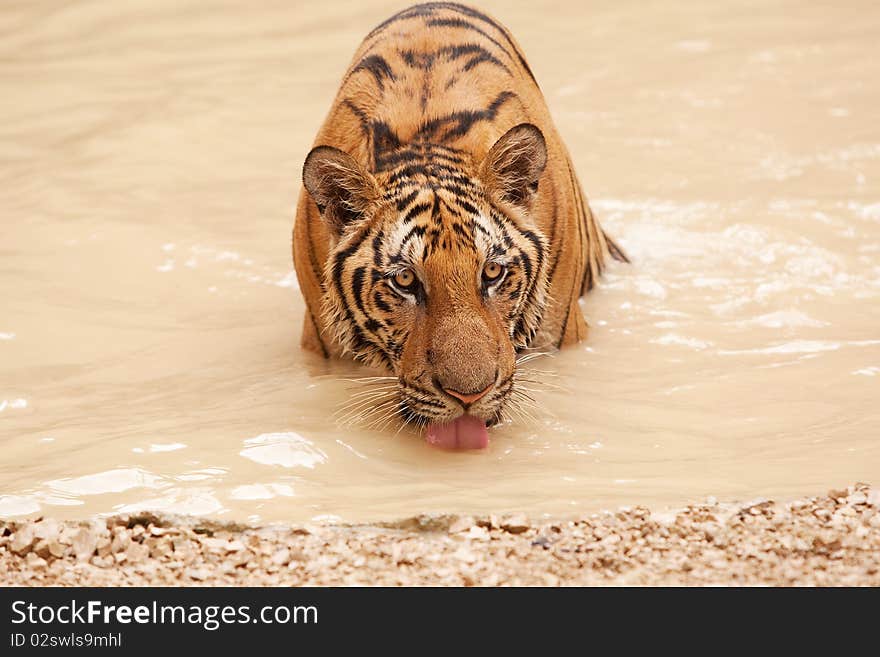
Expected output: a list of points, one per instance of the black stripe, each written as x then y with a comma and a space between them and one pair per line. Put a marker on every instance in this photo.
444, 161
502, 224
407, 172
616, 252
485, 232
435, 209
587, 278
357, 287
377, 248
462, 23
576, 292
429, 9
467, 206
361, 116
406, 200
537, 243
532, 282
377, 66
429, 403
473, 13
420, 60
410, 12
458, 228
459, 123
514, 294
416, 210
360, 341
380, 302
479, 59
384, 140
424, 391
527, 267
413, 232
464, 49
390, 160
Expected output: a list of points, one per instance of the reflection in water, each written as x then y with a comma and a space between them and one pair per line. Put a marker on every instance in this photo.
261, 491
288, 450
110, 481
195, 501
148, 337
171, 447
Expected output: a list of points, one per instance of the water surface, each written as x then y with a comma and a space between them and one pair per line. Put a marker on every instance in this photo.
150, 155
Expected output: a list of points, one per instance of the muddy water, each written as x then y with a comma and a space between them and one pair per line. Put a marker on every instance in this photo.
149, 165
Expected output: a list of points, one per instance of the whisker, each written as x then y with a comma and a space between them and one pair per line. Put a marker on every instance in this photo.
376, 391
532, 419
364, 412
546, 385
393, 416
413, 418
547, 346
550, 373
525, 358
518, 391
367, 399
387, 414
524, 416
355, 415
374, 415
368, 379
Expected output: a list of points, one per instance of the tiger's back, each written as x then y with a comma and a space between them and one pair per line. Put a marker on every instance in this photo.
449, 75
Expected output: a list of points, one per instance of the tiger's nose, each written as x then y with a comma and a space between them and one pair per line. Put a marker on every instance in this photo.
468, 399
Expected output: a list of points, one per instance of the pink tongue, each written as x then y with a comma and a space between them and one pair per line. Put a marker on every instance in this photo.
466, 432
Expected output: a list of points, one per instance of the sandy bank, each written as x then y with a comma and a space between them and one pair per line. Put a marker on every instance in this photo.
832, 539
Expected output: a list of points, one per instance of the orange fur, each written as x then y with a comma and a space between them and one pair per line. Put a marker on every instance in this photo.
443, 76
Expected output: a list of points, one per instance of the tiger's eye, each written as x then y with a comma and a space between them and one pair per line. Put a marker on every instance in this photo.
404, 279
492, 271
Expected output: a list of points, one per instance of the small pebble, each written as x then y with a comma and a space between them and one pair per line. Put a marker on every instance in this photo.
821, 541
515, 524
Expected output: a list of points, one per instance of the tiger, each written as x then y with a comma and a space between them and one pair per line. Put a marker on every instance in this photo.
441, 232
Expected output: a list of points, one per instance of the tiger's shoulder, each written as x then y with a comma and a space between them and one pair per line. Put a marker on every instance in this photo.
441, 72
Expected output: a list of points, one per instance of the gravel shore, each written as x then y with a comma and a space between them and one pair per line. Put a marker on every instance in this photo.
832, 539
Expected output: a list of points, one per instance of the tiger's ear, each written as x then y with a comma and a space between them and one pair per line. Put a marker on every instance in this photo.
340, 187
514, 165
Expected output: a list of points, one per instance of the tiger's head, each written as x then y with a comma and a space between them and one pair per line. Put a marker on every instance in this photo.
437, 273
